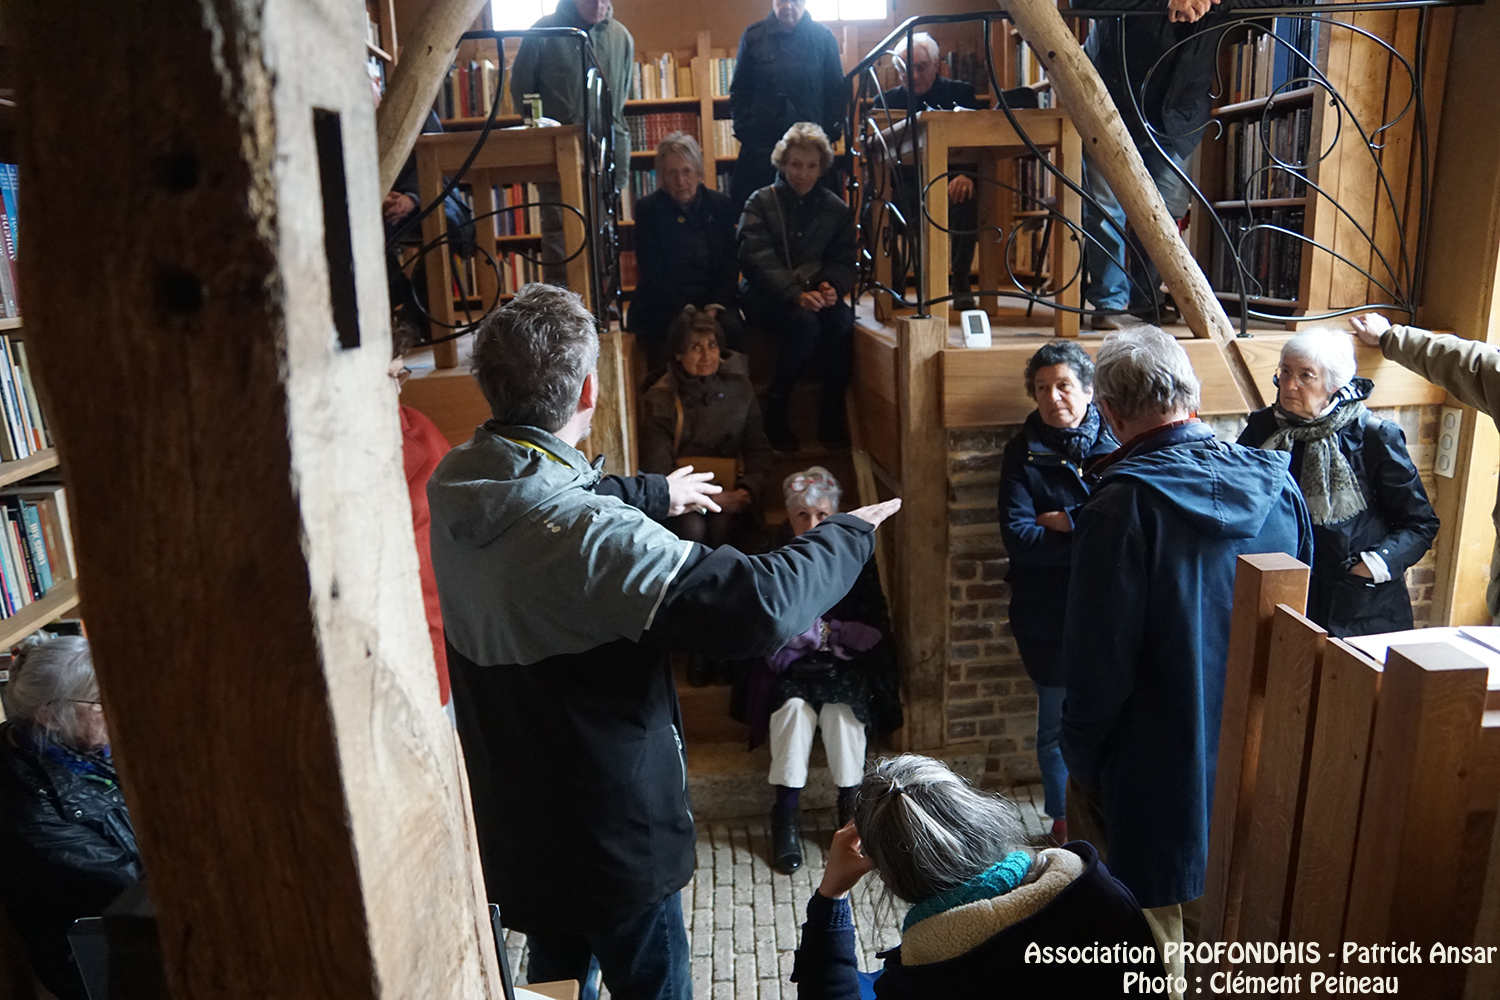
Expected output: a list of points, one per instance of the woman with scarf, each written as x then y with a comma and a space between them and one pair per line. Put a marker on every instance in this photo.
983, 903
1371, 518
67, 848
1041, 484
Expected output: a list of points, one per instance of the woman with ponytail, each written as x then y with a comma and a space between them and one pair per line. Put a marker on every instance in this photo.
984, 907
67, 848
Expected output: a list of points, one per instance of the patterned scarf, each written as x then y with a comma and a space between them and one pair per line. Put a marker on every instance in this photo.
1073, 443
1327, 481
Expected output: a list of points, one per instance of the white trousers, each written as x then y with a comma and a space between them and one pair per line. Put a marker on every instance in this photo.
792, 728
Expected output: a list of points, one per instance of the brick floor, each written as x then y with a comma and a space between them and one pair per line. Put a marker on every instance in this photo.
743, 918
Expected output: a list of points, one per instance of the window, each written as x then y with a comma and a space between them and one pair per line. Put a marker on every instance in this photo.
848, 10
511, 14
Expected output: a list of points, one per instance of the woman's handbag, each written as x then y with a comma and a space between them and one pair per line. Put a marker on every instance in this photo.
726, 470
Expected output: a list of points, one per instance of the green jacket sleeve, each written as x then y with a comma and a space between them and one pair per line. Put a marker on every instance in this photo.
1469, 369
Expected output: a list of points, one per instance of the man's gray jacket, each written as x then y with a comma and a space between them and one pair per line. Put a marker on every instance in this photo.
559, 605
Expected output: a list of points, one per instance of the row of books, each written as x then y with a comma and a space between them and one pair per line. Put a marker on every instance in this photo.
469, 90
36, 545
720, 76
1029, 69
515, 270
24, 433
1268, 60
1272, 259
725, 144
965, 66
521, 221
1253, 150
642, 183
660, 78
1037, 184
10, 304
649, 129
1026, 256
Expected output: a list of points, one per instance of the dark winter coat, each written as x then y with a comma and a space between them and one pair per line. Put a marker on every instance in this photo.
720, 418
67, 849
1149, 604
1092, 910
1181, 76
1398, 522
785, 77
685, 256
944, 95
1035, 479
789, 244
560, 604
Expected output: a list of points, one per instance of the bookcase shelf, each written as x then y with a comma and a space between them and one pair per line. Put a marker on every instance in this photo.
1298, 98
62, 598
1261, 203
19, 469
1260, 300
10, 323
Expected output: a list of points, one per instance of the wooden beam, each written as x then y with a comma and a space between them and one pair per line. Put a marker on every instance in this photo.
263, 609
922, 530
1110, 148
427, 54
1261, 584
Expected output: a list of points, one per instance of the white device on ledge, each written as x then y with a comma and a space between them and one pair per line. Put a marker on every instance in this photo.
976, 326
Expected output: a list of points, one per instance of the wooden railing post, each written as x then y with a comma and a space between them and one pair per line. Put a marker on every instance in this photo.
922, 530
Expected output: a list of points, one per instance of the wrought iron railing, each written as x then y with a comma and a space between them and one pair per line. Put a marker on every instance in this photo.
1240, 230
597, 213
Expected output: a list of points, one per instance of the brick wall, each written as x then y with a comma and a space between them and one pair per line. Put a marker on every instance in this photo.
990, 698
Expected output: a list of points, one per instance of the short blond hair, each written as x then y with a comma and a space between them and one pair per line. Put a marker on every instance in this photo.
807, 135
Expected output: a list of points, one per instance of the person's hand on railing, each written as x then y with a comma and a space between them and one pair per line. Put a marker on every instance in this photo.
960, 188
1370, 327
1188, 10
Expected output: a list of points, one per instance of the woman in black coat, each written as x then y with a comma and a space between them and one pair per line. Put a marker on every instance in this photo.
67, 848
796, 249
684, 250
1371, 517
1041, 484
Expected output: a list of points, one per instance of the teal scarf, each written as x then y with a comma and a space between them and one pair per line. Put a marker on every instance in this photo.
996, 880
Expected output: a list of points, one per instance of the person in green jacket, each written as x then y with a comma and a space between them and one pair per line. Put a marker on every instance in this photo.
1469, 369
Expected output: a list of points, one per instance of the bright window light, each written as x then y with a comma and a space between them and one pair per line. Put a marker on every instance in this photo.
511, 14
848, 10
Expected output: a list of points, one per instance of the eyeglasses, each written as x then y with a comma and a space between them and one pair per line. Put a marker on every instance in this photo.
1300, 379
402, 374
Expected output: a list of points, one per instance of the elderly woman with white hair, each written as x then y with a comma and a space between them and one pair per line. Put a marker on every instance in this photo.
796, 249
67, 848
1371, 517
839, 676
684, 250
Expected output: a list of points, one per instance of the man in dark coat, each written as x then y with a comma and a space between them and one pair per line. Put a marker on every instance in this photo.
1149, 604
787, 71
559, 606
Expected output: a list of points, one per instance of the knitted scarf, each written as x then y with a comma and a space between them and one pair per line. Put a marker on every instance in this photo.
1327, 481
996, 880
1073, 443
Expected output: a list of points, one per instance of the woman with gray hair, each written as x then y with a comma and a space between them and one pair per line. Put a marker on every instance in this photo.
796, 249
1370, 513
684, 251
983, 904
839, 676
67, 848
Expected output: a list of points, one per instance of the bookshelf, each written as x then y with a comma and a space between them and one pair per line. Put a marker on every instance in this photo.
381, 49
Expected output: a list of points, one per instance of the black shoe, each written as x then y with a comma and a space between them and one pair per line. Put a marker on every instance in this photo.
1102, 321
777, 431
786, 840
846, 809
964, 302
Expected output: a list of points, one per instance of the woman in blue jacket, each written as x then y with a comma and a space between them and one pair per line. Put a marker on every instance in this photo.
1041, 484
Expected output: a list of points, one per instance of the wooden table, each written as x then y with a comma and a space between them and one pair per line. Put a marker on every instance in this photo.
566, 989
989, 138
509, 156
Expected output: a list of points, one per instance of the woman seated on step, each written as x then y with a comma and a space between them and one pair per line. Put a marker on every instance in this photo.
703, 413
980, 898
67, 848
840, 675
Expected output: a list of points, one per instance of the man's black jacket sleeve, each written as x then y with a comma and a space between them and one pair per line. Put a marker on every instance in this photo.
728, 605
647, 493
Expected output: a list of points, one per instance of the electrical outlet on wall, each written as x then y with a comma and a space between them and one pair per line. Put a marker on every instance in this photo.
1450, 426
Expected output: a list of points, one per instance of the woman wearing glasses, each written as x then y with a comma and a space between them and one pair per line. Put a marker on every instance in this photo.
67, 848
1371, 517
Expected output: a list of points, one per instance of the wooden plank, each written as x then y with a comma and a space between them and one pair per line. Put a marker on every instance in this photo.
875, 395
438, 263
1293, 676
922, 532
61, 599
264, 607
1261, 584
1484, 980
1347, 691
1483, 792
451, 397
1066, 249
20, 468
1396, 149
613, 430
1427, 724
936, 242
1327, 119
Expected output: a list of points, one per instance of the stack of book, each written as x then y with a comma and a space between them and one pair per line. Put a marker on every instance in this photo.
10, 305
515, 270
649, 129
720, 76
1037, 184
1272, 259
1267, 61
660, 78
36, 545
469, 91
725, 144
1255, 149
518, 220
642, 183
24, 434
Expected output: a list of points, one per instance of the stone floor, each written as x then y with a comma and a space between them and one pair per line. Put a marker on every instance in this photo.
743, 919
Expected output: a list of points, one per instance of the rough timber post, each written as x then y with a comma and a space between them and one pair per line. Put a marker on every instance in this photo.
206, 299
425, 58
1109, 146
